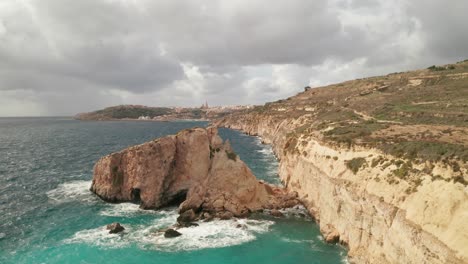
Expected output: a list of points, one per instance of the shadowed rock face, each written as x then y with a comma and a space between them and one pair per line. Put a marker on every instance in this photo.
194, 167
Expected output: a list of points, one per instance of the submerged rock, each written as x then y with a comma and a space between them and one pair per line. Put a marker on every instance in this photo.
169, 233
115, 228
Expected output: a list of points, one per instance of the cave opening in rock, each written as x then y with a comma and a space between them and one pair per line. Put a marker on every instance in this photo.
135, 195
177, 199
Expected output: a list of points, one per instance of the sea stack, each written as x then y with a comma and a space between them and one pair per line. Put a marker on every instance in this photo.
194, 168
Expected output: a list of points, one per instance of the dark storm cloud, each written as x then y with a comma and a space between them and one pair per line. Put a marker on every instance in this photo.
85, 40
61, 52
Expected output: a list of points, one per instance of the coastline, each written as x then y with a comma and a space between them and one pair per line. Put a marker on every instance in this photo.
373, 226
144, 120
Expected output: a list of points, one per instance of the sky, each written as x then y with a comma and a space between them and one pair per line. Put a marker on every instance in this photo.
62, 57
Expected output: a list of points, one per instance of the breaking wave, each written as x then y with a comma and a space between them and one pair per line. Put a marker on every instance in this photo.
214, 234
72, 191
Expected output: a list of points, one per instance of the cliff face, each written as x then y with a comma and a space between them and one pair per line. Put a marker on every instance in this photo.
394, 190
379, 222
194, 167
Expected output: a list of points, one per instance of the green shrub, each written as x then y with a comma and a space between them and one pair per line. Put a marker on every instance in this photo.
403, 171
376, 161
424, 150
355, 164
436, 68
461, 180
231, 155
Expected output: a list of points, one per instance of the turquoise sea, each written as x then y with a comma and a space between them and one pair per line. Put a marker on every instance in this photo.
48, 214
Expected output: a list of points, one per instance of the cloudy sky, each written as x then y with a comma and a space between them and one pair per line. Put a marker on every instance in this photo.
60, 57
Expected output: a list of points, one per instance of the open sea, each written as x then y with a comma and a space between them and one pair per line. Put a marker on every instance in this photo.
48, 214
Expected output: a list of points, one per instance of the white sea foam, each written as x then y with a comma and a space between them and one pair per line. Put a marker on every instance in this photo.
72, 191
126, 210
344, 258
267, 151
299, 241
212, 234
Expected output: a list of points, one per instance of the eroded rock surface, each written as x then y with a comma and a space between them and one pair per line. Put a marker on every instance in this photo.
194, 167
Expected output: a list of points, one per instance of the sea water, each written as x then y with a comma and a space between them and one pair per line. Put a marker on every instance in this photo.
48, 214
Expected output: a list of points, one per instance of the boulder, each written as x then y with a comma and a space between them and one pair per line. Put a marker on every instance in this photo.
186, 217
207, 217
169, 233
115, 228
276, 213
226, 215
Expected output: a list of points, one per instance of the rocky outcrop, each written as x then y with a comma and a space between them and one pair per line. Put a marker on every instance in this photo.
194, 168
170, 233
380, 220
115, 228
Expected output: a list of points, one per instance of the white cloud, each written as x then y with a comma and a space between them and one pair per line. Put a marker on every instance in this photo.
73, 56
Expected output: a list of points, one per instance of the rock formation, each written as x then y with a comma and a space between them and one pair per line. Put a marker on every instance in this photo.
194, 167
169, 233
115, 228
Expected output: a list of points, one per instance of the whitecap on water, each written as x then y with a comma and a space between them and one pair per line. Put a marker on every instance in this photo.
344, 258
267, 151
125, 210
214, 234
72, 191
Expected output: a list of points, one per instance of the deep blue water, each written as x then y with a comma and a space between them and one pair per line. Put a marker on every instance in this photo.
48, 215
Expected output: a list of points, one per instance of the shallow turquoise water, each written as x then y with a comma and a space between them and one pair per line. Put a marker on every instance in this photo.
49, 216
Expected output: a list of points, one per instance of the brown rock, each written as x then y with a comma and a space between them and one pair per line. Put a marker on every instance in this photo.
330, 234
194, 168
169, 233
290, 203
226, 215
115, 228
206, 217
276, 213
161, 170
186, 217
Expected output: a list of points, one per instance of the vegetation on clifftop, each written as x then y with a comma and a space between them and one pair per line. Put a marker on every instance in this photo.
418, 116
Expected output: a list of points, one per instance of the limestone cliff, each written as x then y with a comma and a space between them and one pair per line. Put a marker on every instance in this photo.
194, 167
393, 190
